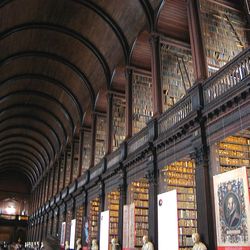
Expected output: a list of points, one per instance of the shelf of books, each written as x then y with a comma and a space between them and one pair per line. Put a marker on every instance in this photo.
118, 111
79, 222
234, 152
61, 172
86, 152
180, 175
112, 204
67, 178
100, 138
218, 24
75, 160
138, 194
55, 221
94, 209
68, 224
177, 74
142, 107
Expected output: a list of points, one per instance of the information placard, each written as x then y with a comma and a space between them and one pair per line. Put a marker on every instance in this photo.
72, 234
128, 227
168, 221
104, 232
63, 233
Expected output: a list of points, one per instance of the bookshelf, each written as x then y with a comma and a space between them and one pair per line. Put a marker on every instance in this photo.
68, 167
79, 222
112, 204
177, 74
234, 152
142, 107
100, 138
86, 151
180, 175
118, 111
75, 160
138, 194
224, 33
54, 225
61, 173
56, 178
94, 210
68, 224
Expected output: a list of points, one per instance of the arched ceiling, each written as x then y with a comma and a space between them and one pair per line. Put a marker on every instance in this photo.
57, 57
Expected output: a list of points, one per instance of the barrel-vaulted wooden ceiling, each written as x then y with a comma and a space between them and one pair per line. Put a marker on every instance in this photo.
58, 58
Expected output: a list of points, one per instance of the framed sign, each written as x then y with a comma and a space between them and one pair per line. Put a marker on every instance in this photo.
72, 234
232, 210
63, 234
104, 232
128, 227
168, 221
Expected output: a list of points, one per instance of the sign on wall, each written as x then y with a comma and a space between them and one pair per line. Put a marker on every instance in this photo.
104, 232
232, 210
72, 234
63, 233
128, 227
167, 221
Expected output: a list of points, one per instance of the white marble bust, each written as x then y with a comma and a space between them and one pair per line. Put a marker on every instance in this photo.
78, 244
114, 244
198, 245
94, 245
147, 245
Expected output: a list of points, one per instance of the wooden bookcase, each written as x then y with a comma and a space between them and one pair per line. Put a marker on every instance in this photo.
94, 209
68, 224
138, 194
101, 126
79, 222
112, 204
224, 33
180, 175
142, 101
234, 152
118, 113
86, 151
177, 74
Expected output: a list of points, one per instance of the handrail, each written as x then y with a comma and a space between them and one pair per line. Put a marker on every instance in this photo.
175, 114
138, 140
230, 75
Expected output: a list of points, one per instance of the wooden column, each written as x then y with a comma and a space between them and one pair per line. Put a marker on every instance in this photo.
43, 191
93, 139
48, 185
72, 154
65, 167
152, 177
129, 106
102, 206
156, 75
206, 227
196, 41
53, 179
109, 124
122, 202
81, 136
59, 174
41, 229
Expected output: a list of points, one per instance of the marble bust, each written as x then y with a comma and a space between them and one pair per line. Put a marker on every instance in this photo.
114, 244
94, 245
147, 245
78, 244
198, 245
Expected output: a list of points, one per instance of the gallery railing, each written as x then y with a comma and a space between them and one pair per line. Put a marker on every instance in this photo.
175, 114
227, 77
137, 141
